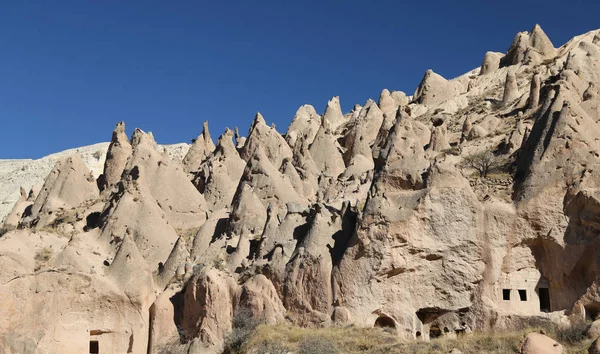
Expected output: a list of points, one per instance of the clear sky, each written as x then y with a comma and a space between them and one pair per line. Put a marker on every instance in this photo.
69, 70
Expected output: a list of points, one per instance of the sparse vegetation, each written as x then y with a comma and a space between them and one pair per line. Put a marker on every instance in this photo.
42, 257
482, 162
6, 229
44, 254
285, 338
97, 155
573, 334
244, 324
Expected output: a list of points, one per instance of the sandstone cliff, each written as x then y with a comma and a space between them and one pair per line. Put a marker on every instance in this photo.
470, 206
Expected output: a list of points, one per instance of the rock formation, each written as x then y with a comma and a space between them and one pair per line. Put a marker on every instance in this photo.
434, 89
491, 62
435, 215
511, 90
200, 150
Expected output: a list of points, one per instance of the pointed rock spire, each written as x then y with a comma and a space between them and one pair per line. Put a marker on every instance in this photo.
268, 139
166, 182
219, 176
511, 90
534, 92
434, 89
69, 184
240, 141
129, 266
466, 129
439, 141
304, 126
247, 213
118, 152
12, 219
540, 42
132, 211
387, 104
178, 257
333, 115
200, 150
325, 153
270, 185
529, 47
402, 158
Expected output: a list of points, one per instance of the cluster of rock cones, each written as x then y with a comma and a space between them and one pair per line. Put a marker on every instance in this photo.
384, 216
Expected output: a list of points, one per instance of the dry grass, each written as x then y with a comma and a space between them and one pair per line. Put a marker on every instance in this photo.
42, 257
374, 340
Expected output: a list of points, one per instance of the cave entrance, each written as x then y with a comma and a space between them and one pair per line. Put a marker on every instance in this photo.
94, 347
434, 332
385, 322
544, 294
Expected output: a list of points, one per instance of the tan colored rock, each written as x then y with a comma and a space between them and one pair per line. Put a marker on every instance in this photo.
534, 91
163, 329
208, 308
491, 62
14, 217
133, 212
466, 129
438, 141
434, 89
268, 139
477, 132
200, 150
69, 185
259, 296
529, 47
333, 116
219, 176
324, 152
304, 126
166, 182
400, 98
511, 89
118, 152
177, 259
387, 104
536, 343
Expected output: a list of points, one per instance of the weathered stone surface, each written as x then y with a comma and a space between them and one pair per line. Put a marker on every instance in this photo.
200, 150
463, 210
536, 343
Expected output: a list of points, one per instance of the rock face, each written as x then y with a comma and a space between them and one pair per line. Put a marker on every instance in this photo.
491, 62
118, 152
529, 48
434, 89
511, 90
69, 185
536, 343
200, 150
472, 206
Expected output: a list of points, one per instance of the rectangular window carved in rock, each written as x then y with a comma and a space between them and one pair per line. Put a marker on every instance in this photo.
94, 347
523, 295
505, 294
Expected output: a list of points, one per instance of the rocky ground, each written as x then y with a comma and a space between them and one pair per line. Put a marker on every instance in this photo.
468, 207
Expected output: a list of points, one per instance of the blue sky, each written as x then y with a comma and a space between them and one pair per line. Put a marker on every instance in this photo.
69, 70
